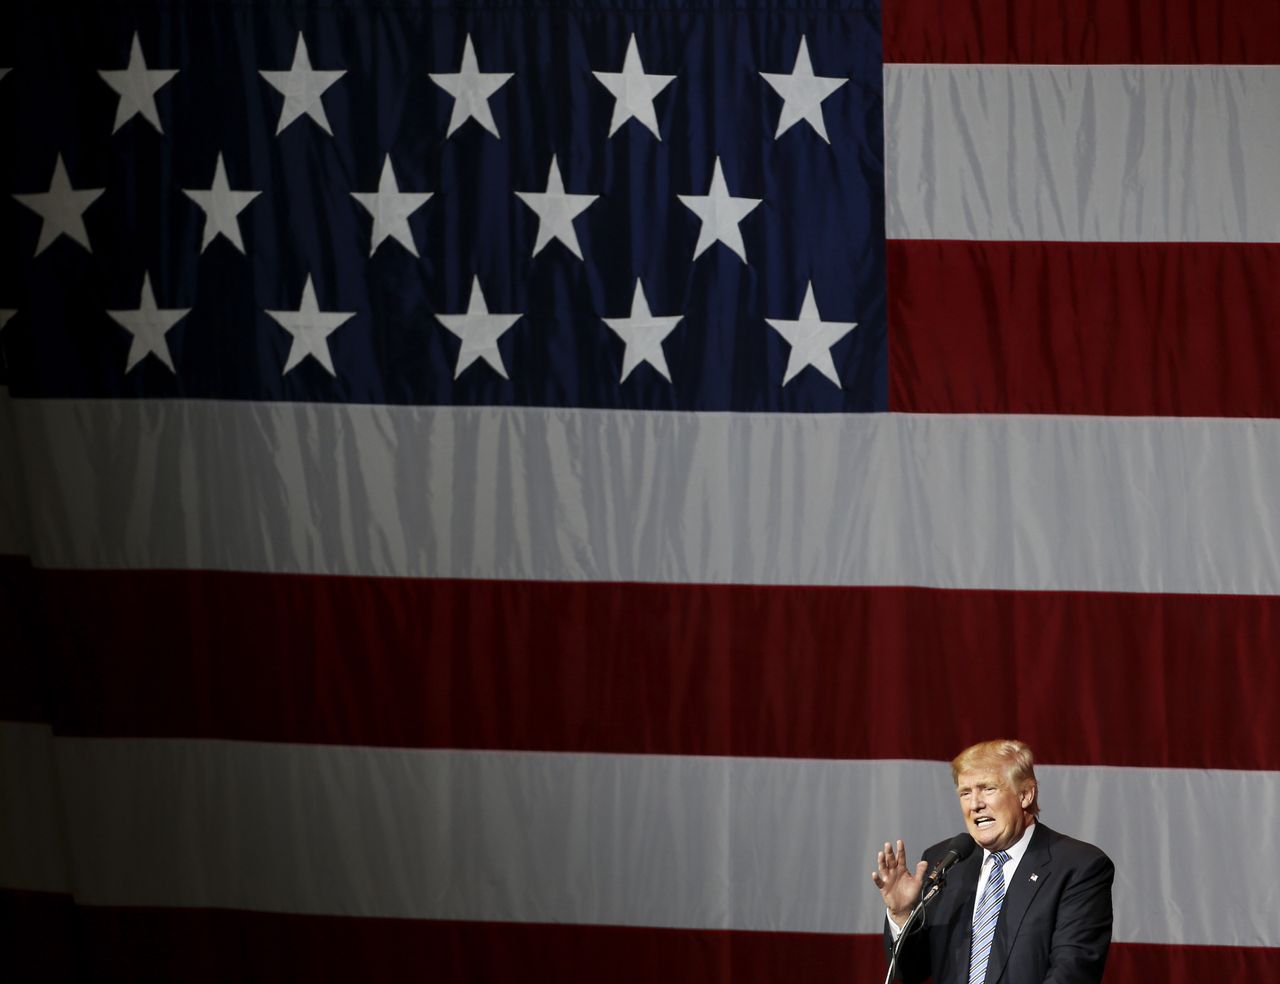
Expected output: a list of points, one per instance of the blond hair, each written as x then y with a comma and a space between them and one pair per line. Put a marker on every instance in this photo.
1009, 756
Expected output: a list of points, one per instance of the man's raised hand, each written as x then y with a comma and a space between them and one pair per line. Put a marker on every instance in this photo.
899, 885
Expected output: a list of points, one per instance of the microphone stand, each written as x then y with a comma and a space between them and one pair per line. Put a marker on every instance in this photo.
917, 914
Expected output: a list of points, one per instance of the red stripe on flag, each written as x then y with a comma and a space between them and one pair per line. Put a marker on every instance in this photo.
221, 945
23, 683
38, 937
1082, 32
1092, 328
195, 945
680, 669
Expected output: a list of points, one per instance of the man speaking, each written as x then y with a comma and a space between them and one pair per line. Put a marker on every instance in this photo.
1027, 905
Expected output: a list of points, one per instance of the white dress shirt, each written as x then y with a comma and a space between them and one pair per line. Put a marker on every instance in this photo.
1015, 855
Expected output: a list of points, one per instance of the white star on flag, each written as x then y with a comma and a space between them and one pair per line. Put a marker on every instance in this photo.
302, 87
391, 208
720, 213
222, 206
148, 325
310, 328
471, 89
633, 91
137, 86
642, 335
811, 339
62, 209
479, 331
802, 93
556, 211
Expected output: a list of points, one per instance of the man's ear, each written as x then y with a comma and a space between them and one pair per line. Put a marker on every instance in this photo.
1028, 794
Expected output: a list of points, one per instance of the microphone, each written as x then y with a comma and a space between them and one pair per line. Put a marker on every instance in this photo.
959, 848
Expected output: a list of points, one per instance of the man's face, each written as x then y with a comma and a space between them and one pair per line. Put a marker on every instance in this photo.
994, 811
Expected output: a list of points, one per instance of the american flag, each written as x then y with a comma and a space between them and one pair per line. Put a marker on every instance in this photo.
538, 491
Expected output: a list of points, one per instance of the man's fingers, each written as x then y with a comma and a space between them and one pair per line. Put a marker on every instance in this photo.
921, 868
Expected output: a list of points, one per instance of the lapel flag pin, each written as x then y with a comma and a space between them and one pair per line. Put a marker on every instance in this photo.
1034, 876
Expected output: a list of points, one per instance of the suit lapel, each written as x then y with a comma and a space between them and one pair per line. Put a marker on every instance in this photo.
1032, 872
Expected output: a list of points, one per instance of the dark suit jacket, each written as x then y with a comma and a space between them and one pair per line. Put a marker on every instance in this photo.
1054, 925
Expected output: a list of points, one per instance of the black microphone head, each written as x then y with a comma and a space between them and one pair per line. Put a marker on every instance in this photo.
958, 848
963, 845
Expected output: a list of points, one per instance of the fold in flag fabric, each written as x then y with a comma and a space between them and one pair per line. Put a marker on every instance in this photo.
520, 492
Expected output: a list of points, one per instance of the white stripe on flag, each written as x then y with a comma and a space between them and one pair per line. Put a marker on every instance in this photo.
1103, 153
719, 843
999, 502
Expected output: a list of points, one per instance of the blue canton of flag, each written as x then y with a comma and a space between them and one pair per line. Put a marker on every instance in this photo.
675, 206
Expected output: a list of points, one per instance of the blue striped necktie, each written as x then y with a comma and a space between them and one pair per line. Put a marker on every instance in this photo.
984, 919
